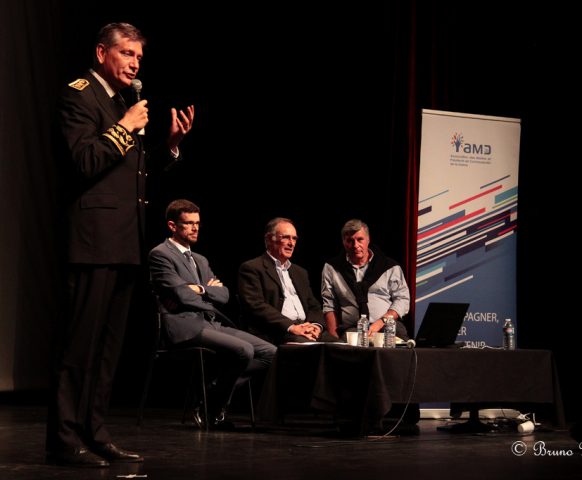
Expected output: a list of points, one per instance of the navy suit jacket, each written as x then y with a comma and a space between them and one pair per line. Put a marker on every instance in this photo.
261, 297
183, 309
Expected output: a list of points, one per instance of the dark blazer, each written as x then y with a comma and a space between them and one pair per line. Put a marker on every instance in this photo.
107, 191
261, 297
182, 308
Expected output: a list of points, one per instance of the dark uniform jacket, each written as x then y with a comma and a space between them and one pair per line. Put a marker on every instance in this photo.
107, 204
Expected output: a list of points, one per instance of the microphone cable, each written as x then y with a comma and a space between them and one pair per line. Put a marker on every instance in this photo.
413, 369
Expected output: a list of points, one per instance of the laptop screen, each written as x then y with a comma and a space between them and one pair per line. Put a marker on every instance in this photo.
441, 324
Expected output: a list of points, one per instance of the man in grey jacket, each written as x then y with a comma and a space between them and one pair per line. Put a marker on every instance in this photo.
188, 293
362, 281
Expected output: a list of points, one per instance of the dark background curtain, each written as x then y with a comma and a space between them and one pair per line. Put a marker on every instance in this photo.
29, 59
322, 101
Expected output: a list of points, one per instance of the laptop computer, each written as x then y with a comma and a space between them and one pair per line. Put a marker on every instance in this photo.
441, 324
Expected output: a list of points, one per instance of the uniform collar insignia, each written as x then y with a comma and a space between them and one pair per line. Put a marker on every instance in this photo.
79, 84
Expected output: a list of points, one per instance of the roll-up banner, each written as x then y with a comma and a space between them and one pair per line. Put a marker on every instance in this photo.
467, 220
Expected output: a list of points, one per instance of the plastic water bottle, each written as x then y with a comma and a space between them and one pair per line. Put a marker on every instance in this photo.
363, 327
508, 335
389, 332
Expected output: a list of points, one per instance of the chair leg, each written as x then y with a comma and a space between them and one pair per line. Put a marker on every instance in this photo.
145, 392
203, 380
188, 401
252, 404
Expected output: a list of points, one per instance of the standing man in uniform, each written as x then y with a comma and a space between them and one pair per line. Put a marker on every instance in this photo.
106, 224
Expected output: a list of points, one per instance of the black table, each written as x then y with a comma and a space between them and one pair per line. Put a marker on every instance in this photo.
363, 383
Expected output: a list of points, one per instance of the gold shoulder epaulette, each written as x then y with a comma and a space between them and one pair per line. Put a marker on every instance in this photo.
79, 84
120, 137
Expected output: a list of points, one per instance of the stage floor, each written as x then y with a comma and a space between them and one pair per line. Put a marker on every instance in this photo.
305, 447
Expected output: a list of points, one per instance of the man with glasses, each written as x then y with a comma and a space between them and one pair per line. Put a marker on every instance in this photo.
189, 293
275, 295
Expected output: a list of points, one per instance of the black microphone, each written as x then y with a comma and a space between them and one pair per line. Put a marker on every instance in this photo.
136, 85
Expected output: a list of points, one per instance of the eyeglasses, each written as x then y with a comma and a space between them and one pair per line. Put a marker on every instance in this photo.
287, 238
189, 224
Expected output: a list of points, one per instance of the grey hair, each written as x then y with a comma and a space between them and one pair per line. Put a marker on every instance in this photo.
110, 34
353, 226
271, 226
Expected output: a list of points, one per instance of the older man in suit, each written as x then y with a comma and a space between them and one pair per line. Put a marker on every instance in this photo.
275, 294
189, 294
106, 211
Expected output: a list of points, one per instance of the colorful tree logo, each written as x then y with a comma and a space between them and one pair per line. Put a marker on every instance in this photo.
457, 141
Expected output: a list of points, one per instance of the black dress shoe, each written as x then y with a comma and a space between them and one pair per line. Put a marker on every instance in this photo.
222, 424
113, 454
199, 419
215, 421
78, 457
219, 422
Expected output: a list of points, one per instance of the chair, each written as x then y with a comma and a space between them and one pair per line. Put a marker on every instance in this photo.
197, 355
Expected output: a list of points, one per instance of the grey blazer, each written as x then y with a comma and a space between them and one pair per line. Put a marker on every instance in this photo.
183, 309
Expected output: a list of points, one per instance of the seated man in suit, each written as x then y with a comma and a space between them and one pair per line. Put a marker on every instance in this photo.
189, 293
275, 294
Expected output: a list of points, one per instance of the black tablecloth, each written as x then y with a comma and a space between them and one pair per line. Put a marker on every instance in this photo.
363, 383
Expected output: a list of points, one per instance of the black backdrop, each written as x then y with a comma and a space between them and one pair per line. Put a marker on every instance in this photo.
314, 98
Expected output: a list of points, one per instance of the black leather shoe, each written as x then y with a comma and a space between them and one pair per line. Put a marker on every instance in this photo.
113, 454
78, 457
215, 422
220, 422
223, 425
198, 417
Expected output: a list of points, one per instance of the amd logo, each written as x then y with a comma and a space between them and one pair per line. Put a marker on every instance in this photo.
477, 149
459, 143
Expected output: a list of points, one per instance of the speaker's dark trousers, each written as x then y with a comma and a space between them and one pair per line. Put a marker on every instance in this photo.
98, 306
